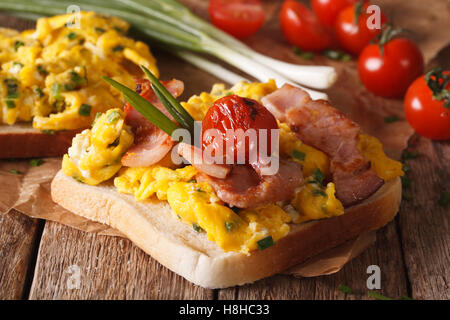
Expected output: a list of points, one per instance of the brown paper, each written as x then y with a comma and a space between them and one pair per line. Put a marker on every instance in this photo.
29, 192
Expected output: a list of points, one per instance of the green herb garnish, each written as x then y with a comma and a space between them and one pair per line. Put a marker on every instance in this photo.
444, 199
99, 30
10, 104
192, 181
307, 55
15, 171
72, 35
18, 44
197, 227
48, 131
56, 92
298, 155
42, 70
113, 117
336, 55
15, 63
11, 88
345, 289
390, 119
36, 162
265, 243
85, 110
318, 192
318, 176
39, 92
118, 48
229, 226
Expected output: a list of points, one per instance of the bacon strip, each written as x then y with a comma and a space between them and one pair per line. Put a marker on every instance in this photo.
194, 156
319, 124
151, 144
244, 188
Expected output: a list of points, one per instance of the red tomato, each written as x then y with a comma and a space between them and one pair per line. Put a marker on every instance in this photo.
232, 113
425, 114
301, 27
354, 37
327, 10
240, 18
390, 74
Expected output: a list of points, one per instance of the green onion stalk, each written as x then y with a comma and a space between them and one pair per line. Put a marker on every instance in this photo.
171, 23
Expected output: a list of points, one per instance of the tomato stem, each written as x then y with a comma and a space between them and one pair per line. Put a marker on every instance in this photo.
437, 81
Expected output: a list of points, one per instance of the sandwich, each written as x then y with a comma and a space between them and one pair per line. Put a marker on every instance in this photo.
50, 85
226, 214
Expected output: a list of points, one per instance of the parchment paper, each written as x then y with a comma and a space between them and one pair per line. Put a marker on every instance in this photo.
29, 191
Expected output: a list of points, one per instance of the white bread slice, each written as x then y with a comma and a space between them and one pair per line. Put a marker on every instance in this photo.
152, 227
23, 141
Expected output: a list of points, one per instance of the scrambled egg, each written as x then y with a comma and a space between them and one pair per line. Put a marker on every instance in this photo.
95, 157
95, 153
52, 75
197, 204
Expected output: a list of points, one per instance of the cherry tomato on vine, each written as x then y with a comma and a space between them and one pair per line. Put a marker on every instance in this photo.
301, 27
389, 74
240, 18
327, 11
429, 116
232, 113
353, 37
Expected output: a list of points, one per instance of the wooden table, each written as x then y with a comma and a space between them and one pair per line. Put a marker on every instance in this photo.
413, 251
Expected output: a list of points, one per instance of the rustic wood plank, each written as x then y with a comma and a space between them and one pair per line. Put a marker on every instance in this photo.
424, 224
385, 253
18, 237
110, 268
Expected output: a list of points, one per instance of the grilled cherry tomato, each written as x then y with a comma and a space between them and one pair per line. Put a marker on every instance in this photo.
301, 27
389, 74
233, 113
354, 37
327, 11
240, 18
427, 105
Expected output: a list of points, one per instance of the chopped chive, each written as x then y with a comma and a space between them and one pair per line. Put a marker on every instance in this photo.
99, 30
11, 88
236, 210
10, 104
444, 199
197, 227
39, 92
18, 44
378, 296
229, 226
318, 176
298, 155
118, 48
85, 110
406, 155
307, 55
345, 289
15, 63
42, 70
72, 35
118, 29
199, 190
265, 243
390, 119
318, 192
113, 116
56, 91
51, 132
178, 216
36, 162
15, 171
192, 181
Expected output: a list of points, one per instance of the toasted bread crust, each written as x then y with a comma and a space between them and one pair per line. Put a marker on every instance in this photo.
174, 244
22, 141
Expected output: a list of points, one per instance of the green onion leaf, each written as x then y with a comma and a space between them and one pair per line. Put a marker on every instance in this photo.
18, 44
51, 132
265, 243
99, 30
85, 110
197, 227
318, 192
39, 92
298, 155
36, 162
188, 120
42, 70
318, 176
149, 111
56, 92
72, 35
15, 171
113, 116
10, 104
118, 48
